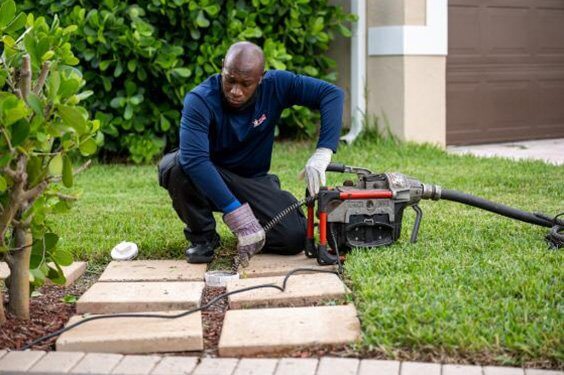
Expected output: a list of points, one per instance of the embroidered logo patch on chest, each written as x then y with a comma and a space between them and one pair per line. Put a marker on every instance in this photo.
259, 121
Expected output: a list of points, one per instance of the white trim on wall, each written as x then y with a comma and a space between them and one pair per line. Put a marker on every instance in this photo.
431, 39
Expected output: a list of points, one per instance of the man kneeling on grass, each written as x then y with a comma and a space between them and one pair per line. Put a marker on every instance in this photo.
226, 140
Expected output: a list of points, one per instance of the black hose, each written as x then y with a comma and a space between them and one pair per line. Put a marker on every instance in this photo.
513, 213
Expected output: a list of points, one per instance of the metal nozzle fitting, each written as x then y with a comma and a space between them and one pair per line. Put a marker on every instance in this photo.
431, 192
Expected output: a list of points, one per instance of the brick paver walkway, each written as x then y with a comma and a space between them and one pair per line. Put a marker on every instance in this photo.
79, 349
38, 362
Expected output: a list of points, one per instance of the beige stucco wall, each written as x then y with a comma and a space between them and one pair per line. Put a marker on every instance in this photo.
415, 12
406, 93
425, 99
384, 12
395, 12
385, 92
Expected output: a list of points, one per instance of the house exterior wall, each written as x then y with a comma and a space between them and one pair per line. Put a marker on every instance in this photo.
405, 91
406, 86
425, 99
385, 12
415, 12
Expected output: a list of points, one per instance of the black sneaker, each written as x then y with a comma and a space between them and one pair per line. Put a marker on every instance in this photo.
202, 252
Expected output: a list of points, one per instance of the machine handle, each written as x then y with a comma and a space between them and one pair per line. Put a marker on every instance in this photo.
336, 167
417, 223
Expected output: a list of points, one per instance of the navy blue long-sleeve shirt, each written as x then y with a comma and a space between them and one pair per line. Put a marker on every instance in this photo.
241, 141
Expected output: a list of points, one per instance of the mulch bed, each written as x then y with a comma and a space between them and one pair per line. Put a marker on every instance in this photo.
48, 313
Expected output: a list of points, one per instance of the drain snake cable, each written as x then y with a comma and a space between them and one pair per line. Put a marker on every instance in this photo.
180, 315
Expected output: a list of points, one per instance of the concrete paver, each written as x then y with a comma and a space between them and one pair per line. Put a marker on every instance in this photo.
379, 367
296, 366
549, 150
301, 290
96, 363
136, 365
19, 362
420, 368
461, 370
256, 366
3, 353
116, 297
337, 366
56, 363
175, 366
72, 272
153, 270
542, 372
216, 366
267, 331
498, 370
264, 265
135, 335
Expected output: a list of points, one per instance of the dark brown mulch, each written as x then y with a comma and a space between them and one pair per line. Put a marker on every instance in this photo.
48, 313
212, 319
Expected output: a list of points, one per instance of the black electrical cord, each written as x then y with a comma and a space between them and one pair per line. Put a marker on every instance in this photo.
176, 316
340, 265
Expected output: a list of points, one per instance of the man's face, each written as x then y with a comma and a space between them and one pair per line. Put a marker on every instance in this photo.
239, 86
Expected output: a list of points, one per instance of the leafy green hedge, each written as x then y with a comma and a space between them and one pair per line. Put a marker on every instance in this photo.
141, 58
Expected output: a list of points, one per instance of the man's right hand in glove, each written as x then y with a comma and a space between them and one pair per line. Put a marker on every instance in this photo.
250, 235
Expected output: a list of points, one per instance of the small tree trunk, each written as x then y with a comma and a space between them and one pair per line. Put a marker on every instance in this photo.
2, 314
18, 261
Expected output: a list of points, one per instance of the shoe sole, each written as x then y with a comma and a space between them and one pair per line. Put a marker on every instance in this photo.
199, 259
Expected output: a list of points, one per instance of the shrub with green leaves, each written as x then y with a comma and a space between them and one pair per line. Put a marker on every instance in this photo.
141, 58
42, 126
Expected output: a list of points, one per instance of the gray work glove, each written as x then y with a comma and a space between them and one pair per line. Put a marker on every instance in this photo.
250, 235
315, 168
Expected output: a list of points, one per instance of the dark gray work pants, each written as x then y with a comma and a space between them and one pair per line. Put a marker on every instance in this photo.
263, 194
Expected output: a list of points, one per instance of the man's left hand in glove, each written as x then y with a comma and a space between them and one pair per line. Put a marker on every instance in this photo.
315, 168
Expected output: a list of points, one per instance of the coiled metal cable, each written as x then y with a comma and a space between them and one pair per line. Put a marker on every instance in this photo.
555, 237
238, 261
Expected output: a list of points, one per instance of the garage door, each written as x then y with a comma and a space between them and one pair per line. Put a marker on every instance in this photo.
505, 70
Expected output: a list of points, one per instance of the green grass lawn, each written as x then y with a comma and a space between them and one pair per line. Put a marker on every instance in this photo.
476, 286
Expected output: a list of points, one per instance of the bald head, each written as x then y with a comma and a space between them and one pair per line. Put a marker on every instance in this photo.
242, 72
244, 57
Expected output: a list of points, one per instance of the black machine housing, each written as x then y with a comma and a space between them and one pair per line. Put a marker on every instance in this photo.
371, 222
